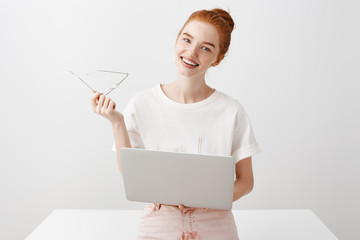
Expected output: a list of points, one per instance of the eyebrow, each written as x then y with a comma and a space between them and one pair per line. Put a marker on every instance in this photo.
209, 43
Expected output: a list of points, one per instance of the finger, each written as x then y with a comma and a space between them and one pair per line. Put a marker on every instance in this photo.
95, 95
112, 105
100, 103
106, 104
93, 99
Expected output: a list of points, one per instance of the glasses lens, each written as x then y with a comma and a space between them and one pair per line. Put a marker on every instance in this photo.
104, 81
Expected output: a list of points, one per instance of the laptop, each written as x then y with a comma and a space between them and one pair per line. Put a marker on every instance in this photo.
193, 180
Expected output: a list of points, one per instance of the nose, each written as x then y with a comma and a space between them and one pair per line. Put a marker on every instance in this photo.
193, 50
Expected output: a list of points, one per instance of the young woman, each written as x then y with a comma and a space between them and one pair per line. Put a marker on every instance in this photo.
187, 115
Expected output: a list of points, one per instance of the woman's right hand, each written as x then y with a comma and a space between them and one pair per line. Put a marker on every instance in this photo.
105, 107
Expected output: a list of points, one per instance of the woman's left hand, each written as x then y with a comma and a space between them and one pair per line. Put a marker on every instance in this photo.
179, 206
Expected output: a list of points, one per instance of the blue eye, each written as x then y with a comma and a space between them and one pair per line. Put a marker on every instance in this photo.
206, 49
186, 40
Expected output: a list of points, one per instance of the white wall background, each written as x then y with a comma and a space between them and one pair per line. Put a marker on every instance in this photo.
294, 65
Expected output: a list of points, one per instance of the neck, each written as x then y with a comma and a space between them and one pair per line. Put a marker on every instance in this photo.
190, 89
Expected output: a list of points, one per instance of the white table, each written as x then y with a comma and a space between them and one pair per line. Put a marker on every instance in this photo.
71, 224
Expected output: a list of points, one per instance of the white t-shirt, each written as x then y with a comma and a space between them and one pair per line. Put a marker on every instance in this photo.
217, 125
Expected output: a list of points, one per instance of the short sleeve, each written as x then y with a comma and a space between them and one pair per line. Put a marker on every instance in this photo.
130, 119
244, 143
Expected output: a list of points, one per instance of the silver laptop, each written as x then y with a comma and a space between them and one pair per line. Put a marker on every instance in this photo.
194, 180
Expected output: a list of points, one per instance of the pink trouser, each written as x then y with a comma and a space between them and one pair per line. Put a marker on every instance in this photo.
170, 223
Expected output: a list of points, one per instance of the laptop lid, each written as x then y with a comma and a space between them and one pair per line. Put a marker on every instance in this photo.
194, 180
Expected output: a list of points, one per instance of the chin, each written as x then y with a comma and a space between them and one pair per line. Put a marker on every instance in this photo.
186, 72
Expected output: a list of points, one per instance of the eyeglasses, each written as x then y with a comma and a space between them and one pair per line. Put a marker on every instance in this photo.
117, 82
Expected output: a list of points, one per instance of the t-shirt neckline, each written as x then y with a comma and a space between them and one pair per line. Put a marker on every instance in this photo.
175, 104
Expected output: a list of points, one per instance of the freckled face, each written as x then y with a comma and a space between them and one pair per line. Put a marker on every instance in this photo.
196, 49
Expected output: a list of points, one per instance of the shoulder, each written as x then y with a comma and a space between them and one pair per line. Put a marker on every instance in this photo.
143, 96
232, 103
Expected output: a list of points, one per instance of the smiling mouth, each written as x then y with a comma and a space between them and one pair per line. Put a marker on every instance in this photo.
188, 62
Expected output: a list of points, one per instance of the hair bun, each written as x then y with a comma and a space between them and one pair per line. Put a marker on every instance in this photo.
225, 16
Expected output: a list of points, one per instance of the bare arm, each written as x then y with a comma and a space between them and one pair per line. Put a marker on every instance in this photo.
105, 107
121, 138
244, 181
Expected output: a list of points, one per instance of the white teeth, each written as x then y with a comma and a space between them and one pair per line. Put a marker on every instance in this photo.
188, 62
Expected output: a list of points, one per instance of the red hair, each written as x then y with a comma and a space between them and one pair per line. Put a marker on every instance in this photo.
223, 22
